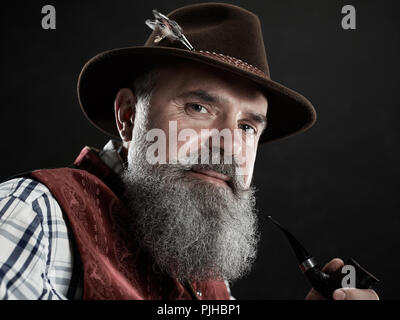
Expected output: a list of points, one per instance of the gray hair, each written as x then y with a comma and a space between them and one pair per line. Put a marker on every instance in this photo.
142, 87
144, 84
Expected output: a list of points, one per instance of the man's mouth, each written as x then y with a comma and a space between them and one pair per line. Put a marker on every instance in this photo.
210, 176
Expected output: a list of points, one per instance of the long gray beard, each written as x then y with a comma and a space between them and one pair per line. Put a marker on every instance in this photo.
194, 230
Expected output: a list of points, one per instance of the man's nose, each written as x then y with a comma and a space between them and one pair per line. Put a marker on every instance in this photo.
227, 139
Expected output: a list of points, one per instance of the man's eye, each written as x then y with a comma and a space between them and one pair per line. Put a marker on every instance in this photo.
197, 108
247, 128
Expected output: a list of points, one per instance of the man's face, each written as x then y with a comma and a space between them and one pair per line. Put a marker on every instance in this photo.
207, 101
197, 220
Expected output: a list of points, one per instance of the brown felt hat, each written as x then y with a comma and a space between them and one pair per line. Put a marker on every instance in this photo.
224, 36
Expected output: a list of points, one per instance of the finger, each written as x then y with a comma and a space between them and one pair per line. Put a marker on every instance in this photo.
333, 265
330, 267
355, 294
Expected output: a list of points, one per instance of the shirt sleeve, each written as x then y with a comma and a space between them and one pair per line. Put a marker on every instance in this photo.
35, 250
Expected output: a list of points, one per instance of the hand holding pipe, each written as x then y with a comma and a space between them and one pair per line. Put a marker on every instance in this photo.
325, 283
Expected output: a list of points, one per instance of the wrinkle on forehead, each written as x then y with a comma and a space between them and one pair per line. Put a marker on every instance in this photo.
185, 75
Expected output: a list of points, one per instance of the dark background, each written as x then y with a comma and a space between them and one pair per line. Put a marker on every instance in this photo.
335, 186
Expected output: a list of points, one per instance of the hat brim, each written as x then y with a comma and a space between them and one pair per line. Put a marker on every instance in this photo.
289, 112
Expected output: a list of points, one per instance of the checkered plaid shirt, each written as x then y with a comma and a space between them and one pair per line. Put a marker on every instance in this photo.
37, 249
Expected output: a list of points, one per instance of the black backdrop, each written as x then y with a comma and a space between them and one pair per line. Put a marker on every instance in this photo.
334, 186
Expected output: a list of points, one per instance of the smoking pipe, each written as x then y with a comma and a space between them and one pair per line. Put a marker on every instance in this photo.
325, 283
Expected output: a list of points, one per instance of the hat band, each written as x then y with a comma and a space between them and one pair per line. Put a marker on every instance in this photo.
236, 62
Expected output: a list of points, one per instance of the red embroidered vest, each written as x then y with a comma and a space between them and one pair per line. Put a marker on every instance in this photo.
113, 266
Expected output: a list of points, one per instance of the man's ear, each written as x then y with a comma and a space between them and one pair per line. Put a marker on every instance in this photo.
124, 107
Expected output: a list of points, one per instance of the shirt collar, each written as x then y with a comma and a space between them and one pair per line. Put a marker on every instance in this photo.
111, 156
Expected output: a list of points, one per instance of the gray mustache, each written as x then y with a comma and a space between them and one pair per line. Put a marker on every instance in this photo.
229, 170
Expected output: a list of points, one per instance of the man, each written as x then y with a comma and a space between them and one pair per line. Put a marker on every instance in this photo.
169, 211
